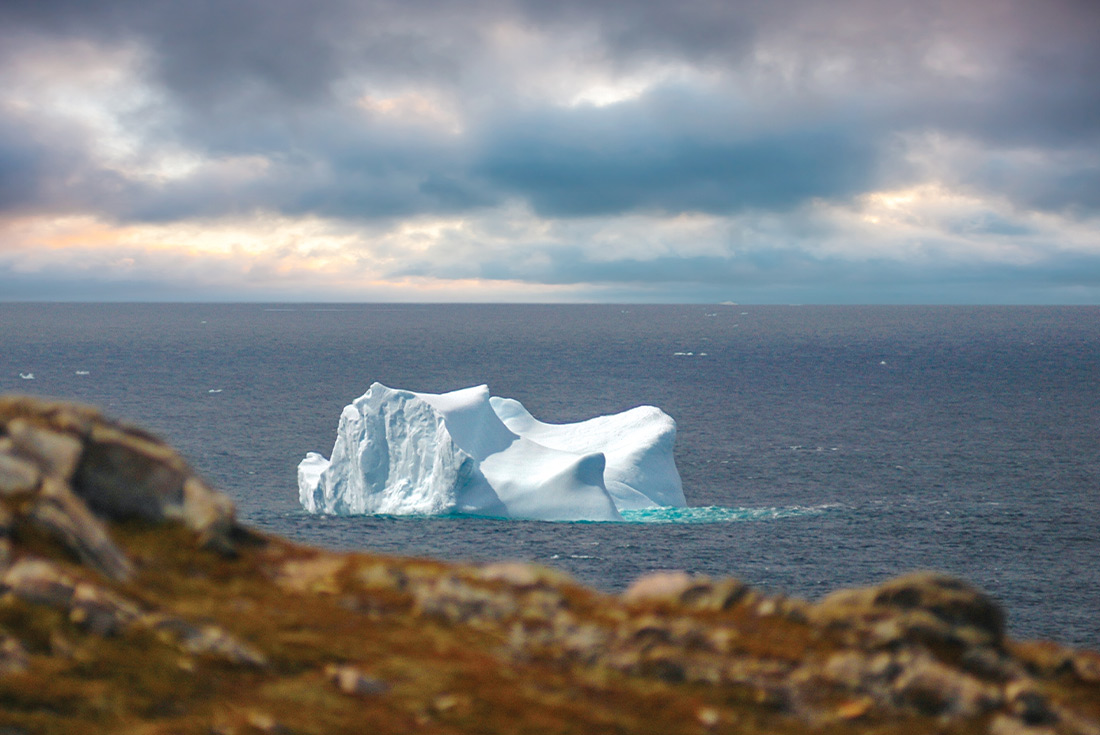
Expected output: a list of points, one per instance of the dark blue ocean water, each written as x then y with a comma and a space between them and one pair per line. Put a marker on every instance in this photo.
847, 444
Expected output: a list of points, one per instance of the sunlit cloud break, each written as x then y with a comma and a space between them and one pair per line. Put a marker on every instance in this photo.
512, 151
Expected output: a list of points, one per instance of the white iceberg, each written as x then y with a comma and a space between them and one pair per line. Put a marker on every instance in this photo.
403, 453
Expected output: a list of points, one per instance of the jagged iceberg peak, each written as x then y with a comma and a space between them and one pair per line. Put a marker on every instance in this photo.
405, 453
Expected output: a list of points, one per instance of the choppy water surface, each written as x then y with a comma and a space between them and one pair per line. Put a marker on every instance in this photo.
820, 447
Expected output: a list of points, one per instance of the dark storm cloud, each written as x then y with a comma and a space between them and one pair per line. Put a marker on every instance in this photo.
45, 168
1043, 56
252, 77
345, 173
653, 154
22, 167
1045, 91
697, 30
202, 50
270, 54
1070, 186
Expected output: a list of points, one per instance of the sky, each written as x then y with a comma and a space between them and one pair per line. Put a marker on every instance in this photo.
773, 151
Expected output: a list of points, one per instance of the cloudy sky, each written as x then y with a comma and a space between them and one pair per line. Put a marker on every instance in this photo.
838, 151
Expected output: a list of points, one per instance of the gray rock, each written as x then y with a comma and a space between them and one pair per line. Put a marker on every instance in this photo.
857, 671
951, 600
581, 641
658, 587
13, 656
989, 662
204, 640
210, 514
924, 606
17, 476
125, 476
55, 454
40, 582
5, 538
720, 595
351, 680
1028, 703
1005, 725
1086, 666
120, 472
214, 641
696, 592
265, 723
314, 574
64, 516
100, 611
459, 601
70, 418
521, 574
932, 688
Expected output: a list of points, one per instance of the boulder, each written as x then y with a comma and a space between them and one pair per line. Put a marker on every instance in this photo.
925, 605
82, 468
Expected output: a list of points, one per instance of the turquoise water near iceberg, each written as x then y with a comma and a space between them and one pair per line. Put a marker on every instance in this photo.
718, 514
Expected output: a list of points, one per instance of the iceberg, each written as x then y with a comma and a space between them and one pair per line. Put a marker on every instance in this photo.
399, 452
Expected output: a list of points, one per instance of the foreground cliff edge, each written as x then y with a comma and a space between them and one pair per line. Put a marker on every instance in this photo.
131, 601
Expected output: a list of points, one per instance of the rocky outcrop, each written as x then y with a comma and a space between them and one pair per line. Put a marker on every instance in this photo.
70, 460
131, 600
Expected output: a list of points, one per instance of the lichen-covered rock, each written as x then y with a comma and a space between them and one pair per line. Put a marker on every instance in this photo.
17, 476
521, 575
681, 588
64, 516
1006, 725
458, 600
1027, 702
130, 475
82, 467
104, 613
210, 514
1086, 666
127, 474
101, 611
13, 656
39, 581
925, 605
6, 522
351, 680
934, 688
314, 574
56, 454
658, 587
204, 640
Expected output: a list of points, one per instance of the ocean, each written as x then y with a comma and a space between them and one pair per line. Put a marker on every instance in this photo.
820, 447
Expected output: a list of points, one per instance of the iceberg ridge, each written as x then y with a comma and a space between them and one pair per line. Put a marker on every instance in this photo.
399, 452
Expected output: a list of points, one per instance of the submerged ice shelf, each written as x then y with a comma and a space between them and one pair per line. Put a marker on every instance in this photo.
465, 452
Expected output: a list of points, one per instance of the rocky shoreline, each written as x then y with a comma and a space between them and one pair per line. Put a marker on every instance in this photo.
132, 601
